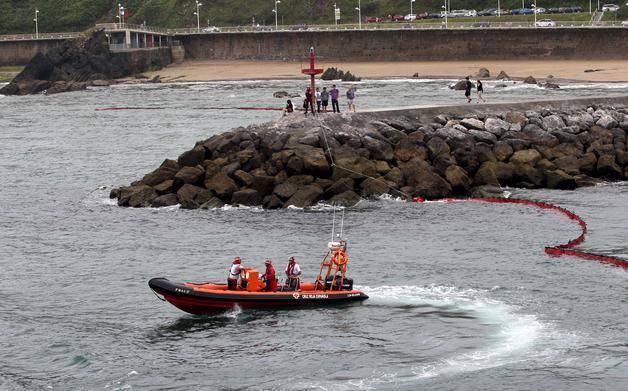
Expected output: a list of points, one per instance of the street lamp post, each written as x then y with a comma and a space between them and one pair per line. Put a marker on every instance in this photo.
534, 10
359, 9
36, 20
198, 15
499, 10
121, 14
335, 14
444, 7
276, 14
411, 1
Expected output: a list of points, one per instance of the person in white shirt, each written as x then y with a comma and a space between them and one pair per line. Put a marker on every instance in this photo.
293, 272
235, 273
318, 99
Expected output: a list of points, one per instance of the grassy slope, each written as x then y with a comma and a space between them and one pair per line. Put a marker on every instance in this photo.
74, 15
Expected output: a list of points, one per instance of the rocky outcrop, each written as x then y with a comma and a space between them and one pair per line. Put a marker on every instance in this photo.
338, 74
79, 63
299, 161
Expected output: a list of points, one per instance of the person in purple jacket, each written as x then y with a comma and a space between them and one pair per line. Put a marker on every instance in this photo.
333, 94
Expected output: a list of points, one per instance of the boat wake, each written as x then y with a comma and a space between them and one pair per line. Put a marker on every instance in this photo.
514, 340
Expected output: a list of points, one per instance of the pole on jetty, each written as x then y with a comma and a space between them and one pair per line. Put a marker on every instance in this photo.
312, 71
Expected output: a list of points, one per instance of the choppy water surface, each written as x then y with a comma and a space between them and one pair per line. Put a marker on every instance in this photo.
461, 295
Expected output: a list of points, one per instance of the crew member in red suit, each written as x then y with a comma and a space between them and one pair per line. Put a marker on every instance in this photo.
269, 277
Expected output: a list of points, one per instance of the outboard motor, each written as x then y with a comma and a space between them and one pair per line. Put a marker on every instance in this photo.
341, 284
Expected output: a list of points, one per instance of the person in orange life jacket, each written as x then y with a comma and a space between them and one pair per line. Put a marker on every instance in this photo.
269, 277
235, 273
293, 271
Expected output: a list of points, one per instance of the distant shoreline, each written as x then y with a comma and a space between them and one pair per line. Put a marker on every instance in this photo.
604, 71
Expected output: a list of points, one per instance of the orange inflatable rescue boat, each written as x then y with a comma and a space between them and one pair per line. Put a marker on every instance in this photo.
330, 287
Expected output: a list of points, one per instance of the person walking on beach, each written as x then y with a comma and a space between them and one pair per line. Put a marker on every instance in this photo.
350, 99
324, 99
467, 90
480, 89
318, 100
334, 93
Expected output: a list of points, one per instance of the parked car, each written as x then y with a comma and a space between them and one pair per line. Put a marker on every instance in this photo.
624, 23
211, 29
373, 19
554, 10
409, 17
522, 11
540, 10
422, 15
433, 16
576, 9
487, 12
462, 14
502, 12
545, 23
396, 18
610, 8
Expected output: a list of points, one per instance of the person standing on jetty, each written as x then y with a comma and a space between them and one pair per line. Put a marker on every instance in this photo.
480, 89
318, 100
324, 99
350, 99
334, 93
307, 102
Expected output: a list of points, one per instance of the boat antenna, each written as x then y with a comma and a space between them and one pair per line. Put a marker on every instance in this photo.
342, 222
333, 223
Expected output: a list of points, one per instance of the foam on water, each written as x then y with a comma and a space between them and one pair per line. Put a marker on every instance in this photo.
516, 334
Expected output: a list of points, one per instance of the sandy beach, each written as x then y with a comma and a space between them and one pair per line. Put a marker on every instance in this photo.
208, 70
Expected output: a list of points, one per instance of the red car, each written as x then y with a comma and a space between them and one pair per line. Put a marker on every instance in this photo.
373, 19
422, 15
396, 18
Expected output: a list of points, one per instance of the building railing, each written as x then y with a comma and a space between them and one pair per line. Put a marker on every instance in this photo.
135, 27
438, 24
32, 37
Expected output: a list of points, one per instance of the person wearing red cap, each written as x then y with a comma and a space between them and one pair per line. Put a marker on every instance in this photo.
234, 274
293, 271
269, 277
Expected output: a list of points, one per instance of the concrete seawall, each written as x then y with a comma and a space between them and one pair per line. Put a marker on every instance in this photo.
426, 113
142, 60
20, 52
400, 45
385, 45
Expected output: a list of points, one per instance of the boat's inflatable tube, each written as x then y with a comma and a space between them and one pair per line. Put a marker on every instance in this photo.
558, 250
207, 298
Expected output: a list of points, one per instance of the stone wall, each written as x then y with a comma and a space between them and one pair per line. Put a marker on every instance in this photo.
16, 53
399, 45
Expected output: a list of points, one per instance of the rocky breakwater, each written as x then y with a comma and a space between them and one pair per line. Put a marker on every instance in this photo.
289, 162
79, 63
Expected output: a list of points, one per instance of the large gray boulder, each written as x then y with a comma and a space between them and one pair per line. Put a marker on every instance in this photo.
222, 185
305, 196
496, 126
192, 197
248, 197
136, 196
166, 171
